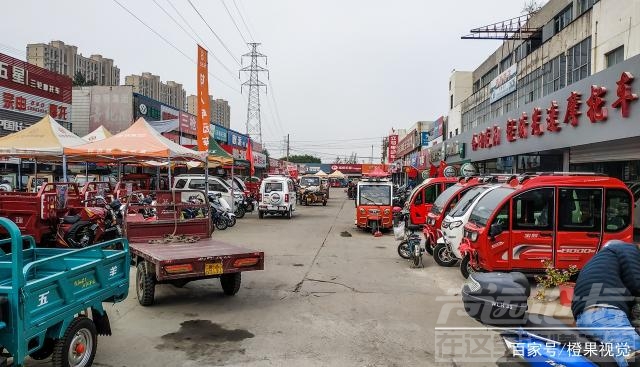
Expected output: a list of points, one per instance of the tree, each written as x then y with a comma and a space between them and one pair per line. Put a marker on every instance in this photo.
304, 158
79, 80
531, 7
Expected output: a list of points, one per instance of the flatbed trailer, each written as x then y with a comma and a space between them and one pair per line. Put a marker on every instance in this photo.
174, 250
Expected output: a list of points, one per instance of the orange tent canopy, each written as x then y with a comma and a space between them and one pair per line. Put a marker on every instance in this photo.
139, 141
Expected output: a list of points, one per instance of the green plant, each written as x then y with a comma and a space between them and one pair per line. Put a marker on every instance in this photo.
552, 278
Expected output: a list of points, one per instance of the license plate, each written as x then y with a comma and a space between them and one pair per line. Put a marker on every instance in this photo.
213, 268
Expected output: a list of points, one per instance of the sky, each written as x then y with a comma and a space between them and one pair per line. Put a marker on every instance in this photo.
342, 73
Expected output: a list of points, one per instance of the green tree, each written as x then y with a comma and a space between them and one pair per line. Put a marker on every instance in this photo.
305, 158
79, 80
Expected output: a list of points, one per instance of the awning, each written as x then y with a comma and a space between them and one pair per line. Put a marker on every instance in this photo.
217, 154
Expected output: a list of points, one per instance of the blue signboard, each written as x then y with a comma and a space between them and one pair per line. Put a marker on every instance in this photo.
424, 138
219, 133
237, 139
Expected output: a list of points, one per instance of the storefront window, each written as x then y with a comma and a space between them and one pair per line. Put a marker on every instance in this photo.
554, 75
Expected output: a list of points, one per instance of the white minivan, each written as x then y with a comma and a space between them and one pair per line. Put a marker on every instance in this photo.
277, 196
196, 182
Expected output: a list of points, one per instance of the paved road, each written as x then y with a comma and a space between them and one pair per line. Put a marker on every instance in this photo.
330, 295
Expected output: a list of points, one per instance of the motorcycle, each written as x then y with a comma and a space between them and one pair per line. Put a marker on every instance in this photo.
500, 300
410, 248
222, 212
91, 224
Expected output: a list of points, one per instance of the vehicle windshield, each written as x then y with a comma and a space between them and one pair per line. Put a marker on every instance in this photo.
310, 181
463, 205
272, 186
487, 205
443, 198
375, 195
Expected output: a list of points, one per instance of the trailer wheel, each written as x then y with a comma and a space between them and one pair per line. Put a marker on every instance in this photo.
145, 285
230, 283
78, 345
45, 351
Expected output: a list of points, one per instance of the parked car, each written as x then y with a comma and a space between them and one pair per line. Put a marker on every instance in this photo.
196, 182
277, 196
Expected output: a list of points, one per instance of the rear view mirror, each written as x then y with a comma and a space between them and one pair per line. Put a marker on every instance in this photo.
495, 229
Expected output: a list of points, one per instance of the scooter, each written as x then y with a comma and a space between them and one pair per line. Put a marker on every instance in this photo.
91, 224
410, 249
223, 210
500, 300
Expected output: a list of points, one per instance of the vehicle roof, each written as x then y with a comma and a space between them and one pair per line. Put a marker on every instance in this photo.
525, 182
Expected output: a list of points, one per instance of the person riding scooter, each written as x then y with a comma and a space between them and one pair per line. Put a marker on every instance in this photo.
605, 294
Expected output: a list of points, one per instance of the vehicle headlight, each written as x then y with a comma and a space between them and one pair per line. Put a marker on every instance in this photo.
387, 211
362, 211
474, 236
455, 224
431, 221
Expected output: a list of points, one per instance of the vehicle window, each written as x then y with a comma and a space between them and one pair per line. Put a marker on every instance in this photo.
216, 186
431, 192
272, 186
418, 200
618, 210
580, 210
290, 184
310, 181
196, 184
503, 217
486, 205
468, 198
442, 199
180, 184
375, 195
534, 210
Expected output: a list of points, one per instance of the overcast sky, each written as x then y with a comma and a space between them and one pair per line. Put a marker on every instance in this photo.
340, 69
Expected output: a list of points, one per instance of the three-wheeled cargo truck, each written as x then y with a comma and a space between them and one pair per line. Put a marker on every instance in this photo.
51, 298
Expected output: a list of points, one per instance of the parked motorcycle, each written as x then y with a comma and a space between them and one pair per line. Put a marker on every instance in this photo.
221, 212
410, 248
91, 224
500, 300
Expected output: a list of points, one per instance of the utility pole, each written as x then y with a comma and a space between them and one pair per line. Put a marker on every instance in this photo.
371, 158
254, 123
287, 148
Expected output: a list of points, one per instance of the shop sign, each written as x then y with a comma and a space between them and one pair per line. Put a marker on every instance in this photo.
449, 171
407, 144
236, 139
368, 168
11, 126
438, 128
259, 160
168, 113
503, 84
424, 138
423, 159
451, 148
28, 79
17, 101
413, 157
220, 133
468, 169
553, 118
347, 168
436, 155
393, 147
188, 123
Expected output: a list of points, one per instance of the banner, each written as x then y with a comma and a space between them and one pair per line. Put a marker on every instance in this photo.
204, 107
503, 84
393, 147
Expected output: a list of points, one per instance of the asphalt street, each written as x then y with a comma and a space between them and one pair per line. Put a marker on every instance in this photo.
330, 295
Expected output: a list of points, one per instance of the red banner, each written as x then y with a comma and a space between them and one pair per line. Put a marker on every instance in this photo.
393, 147
188, 123
347, 168
203, 117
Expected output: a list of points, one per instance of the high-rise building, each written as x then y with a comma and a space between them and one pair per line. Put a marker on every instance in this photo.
64, 59
149, 85
192, 104
221, 112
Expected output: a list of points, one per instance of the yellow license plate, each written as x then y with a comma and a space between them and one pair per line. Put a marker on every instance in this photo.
213, 268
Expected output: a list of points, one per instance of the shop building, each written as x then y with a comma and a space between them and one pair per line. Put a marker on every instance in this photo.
29, 93
563, 97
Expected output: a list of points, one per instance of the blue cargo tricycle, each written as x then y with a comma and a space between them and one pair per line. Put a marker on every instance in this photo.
51, 299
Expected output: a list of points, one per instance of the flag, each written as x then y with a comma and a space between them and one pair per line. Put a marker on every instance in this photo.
203, 116
433, 171
249, 157
441, 168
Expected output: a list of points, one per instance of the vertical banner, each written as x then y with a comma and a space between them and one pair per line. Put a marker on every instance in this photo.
203, 101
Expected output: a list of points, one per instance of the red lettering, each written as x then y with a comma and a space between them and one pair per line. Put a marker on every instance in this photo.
523, 126
496, 135
624, 93
597, 111
7, 100
573, 109
536, 117
488, 140
552, 117
474, 142
21, 103
511, 130
53, 111
62, 113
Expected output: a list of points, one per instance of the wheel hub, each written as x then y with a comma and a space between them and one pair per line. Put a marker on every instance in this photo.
80, 348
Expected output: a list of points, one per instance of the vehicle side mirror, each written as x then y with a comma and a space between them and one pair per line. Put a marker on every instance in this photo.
495, 229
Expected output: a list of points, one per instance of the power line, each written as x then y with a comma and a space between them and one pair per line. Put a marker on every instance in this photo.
234, 21
275, 104
171, 44
332, 140
191, 36
214, 33
242, 18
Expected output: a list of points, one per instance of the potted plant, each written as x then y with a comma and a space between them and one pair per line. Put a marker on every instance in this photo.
552, 278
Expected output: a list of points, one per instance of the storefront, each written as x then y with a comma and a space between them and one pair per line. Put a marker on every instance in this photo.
183, 125
590, 125
29, 93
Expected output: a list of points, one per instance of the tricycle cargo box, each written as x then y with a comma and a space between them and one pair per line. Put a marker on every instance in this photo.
497, 299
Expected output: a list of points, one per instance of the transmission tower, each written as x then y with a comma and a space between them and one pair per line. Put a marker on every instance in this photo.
254, 124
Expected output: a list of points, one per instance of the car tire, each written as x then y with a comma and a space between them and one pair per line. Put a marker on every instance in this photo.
289, 213
260, 214
443, 257
145, 284
230, 283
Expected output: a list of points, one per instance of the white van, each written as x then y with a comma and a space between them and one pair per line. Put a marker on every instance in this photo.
196, 182
277, 196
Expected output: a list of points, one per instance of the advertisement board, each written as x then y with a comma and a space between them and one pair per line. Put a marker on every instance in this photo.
220, 133
147, 108
34, 81
111, 107
187, 123
503, 84
347, 168
368, 168
424, 138
407, 144
259, 160
237, 139
393, 148
204, 109
168, 113
438, 128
